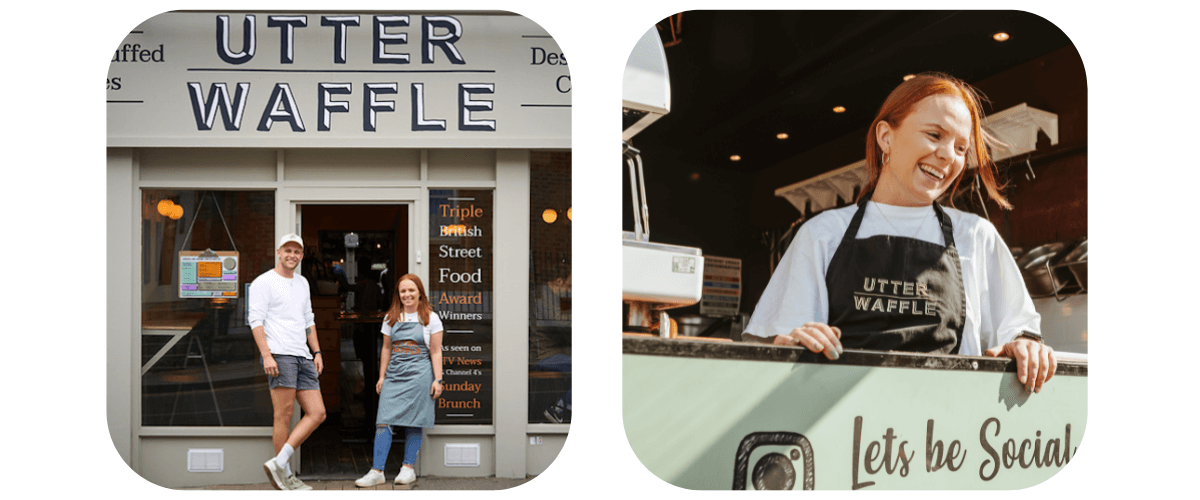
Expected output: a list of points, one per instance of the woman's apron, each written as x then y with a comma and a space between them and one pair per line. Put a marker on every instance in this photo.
405, 398
893, 293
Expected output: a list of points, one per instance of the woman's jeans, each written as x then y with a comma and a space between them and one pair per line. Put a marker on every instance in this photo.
383, 444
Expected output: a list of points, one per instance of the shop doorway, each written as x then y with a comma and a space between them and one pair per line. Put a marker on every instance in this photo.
354, 255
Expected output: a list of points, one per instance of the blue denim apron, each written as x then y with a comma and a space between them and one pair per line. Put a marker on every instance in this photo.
405, 399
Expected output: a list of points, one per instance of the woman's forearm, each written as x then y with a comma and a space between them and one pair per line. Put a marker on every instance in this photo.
385, 356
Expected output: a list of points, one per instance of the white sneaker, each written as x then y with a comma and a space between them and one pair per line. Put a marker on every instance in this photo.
406, 476
373, 478
275, 474
294, 483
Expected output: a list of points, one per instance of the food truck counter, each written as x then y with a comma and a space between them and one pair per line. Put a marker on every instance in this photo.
713, 415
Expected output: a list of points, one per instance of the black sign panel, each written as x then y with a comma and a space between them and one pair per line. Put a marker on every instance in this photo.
461, 239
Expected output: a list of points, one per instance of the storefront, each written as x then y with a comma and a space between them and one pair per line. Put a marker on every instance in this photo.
429, 143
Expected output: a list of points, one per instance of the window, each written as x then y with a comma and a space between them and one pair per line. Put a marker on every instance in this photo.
199, 363
550, 287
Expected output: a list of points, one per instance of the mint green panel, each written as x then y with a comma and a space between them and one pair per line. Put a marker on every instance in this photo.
686, 417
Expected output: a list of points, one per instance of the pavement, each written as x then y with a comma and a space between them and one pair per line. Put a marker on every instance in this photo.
422, 483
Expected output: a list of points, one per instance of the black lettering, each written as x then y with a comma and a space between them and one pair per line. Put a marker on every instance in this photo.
326, 106
248, 40
382, 39
339, 24
445, 42
854, 484
371, 106
538, 51
287, 28
987, 448
419, 122
558, 84
466, 105
205, 110
281, 106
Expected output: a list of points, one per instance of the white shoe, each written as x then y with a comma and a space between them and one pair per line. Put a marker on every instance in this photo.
275, 474
406, 476
373, 478
294, 483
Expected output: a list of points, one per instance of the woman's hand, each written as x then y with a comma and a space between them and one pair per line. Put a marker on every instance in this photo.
816, 337
436, 389
1036, 362
379, 386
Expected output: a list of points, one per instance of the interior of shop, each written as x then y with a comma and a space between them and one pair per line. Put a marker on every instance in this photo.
760, 101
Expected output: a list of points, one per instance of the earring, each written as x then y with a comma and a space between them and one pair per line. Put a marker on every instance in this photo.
885, 158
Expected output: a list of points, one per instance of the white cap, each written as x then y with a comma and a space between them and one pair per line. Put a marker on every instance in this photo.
290, 238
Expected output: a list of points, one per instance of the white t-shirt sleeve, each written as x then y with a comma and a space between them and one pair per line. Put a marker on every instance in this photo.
310, 319
258, 301
435, 323
385, 329
796, 293
1006, 309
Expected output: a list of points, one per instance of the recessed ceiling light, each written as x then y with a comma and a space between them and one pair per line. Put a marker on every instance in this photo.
839, 109
1000, 37
735, 158
909, 77
781, 135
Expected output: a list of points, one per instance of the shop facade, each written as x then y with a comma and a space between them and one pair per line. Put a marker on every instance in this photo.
428, 143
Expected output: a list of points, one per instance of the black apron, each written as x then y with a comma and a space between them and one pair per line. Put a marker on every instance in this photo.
893, 293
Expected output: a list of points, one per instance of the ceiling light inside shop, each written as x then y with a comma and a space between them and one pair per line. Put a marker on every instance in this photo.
176, 212
839, 109
1000, 37
781, 135
735, 158
549, 216
909, 77
569, 214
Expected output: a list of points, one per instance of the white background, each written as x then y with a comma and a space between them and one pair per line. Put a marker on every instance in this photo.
1139, 58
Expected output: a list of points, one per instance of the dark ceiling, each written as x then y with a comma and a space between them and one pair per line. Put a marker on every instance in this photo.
738, 78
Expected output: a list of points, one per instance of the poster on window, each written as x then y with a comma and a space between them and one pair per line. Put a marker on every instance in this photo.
460, 289
208, 274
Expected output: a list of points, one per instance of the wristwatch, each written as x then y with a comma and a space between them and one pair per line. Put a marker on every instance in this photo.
439, 381
1032, 336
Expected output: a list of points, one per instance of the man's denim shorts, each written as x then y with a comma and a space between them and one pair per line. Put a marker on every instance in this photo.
295, 372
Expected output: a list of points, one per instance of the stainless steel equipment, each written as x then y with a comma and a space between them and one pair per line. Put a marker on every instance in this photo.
655, 276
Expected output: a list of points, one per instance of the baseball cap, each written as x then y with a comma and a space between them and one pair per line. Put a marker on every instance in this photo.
290, 238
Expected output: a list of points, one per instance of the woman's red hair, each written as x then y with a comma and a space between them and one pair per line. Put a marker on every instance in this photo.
899, 104
423, 305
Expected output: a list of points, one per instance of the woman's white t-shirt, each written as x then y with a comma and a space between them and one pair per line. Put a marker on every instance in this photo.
998, 306
434, 326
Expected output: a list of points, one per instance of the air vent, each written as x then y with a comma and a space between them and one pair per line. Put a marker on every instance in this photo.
206, 460
462, 455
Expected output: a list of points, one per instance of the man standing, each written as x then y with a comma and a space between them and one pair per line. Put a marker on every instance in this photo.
281, 319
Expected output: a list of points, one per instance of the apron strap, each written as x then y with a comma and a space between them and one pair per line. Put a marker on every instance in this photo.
947, 227
943, 220
852, 231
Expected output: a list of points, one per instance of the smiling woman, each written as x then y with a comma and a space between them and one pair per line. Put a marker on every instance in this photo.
830, 291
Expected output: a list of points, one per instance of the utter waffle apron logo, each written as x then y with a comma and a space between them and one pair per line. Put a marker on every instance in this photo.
406, 347
895, 297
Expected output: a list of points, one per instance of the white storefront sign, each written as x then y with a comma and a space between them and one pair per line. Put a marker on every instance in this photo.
341, 80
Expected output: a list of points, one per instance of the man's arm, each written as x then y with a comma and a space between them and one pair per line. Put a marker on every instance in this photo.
260, 339
314, 345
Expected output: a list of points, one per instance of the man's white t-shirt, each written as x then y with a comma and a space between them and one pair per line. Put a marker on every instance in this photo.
283, 307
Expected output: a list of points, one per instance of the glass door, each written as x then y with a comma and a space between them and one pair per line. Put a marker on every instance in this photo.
355, 249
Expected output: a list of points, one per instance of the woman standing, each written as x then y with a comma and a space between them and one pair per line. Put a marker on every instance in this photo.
410, 377
899, 272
